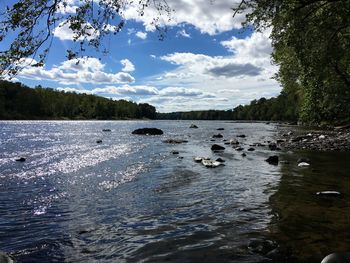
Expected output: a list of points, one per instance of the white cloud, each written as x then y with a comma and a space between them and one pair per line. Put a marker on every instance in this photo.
142, 35
183, 33
127, 65
63, 32
209, 17
85, 70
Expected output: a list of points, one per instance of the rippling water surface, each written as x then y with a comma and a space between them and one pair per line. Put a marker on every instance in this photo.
129, 199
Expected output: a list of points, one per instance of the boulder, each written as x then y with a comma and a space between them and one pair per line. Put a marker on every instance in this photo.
218, 135
337, 258
193, 126
21, 159
303, 164
272, 160
175, 141
148, 131
216, 147
4, 258
211, 164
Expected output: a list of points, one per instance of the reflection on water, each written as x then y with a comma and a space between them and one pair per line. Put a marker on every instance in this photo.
309, 226
129, 199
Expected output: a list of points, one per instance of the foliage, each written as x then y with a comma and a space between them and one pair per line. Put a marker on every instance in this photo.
285, 107
20, 102
311, 41
28, 25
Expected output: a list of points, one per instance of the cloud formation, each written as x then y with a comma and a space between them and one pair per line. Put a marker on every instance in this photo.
127, 65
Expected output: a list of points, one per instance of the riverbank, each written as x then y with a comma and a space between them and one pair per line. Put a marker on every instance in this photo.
302, 138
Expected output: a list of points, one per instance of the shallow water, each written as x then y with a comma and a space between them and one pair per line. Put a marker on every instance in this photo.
129, 199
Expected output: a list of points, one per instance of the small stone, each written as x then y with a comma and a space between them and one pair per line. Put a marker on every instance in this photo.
234, 141
272, 160
99, 141
241, 136
251, 149
193, 126
321, 137
218, 135
216, 147
303, 160
239, 149
21, 159
220, 129
106, 130
198, 159
244, 155
303, 164
220, 160
174, 152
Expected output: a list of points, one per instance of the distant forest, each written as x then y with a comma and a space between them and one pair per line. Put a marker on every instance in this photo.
284, 107
18, 101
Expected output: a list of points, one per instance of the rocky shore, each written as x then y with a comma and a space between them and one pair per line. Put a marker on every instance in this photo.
298, 138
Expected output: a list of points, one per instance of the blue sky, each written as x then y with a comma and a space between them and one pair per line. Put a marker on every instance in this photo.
207, 61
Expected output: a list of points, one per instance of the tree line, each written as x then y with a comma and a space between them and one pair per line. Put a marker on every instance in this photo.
284, 107
18, 101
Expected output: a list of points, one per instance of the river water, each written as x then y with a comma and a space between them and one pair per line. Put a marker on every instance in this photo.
130, 199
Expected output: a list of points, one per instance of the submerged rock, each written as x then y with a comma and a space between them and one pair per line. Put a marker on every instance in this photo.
337, 258
148, 131
272, 160
216, 147
193, 126
175, 141
21, 159
218, 135
106, 130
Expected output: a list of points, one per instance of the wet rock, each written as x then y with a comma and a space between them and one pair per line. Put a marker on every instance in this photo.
272, 160
216, 147
220, 160
220, 129
193, 126
218, 135
175, 141
99, 141
261, 246
212, 140
239, 149
241, 136
303, 160
329, 193
234, 142
174, 152
180, 157
251, 149
21, 159
273, 146
4, 258
198, 159
148, 131
244, 155
227, 143
106, 130
337, 258
211, 164
303, 164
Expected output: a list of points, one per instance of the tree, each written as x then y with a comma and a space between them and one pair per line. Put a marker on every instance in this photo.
27, 26
311, 42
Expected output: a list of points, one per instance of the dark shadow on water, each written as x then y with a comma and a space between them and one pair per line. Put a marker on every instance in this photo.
308, 226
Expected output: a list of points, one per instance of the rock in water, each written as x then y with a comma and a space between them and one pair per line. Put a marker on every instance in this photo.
303, 164
175, 141
4, 258
272, 160
220, 129
241, 136
329, 193
337, 258
174, 152
234, 141
106, 130
211, 164
220, 160
216, 147
99, 141
193, 126
148, 131
21, 159
217, 135
303, 160
251, 149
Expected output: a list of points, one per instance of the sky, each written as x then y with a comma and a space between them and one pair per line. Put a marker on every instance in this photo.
206, 61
